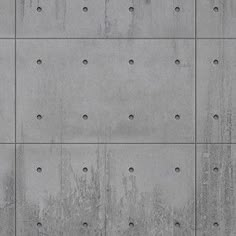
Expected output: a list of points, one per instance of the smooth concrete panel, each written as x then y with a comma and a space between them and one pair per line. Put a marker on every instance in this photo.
56, 195
216, 197
149, 99
150, 190
7, 18
7, 190
106, 18
216, 19
7, 90
216, 85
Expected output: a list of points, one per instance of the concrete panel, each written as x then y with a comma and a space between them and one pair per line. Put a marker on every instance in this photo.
7, 189
7, 18
216, 186
7, 85
56, 195
150, 190
125, 91
216, 108
216, 19
106, 18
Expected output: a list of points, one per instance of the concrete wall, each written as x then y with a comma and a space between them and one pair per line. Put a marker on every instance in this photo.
117, 118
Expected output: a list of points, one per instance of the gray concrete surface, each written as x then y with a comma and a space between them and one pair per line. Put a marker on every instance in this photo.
7, 18
153, 196
107, 18
117, 117
7, 189
216, 104
216, 197
107, 89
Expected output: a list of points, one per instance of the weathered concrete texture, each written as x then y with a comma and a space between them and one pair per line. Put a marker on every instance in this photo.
105, 18
7, 18
152, 196
216, 85
62, 196
216, 18
153, 88
7, 189
216, 197
7, 85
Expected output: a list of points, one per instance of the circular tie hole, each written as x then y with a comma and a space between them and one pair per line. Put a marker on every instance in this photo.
85, 62
39, 169
39, 9
216, 224
131, 9
215, 9
177, 224
39, 61
131, 62
39, 117
39, 224
85, 169
216, 62
177, 117
131, 117
215, 169
131, 169
131, 224
177, 169
177, 62
85, 117
177, 9
85, 9
216, 117
85, 224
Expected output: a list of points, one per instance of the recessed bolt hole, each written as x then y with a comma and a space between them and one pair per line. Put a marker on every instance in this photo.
85, 224
216, 224
215, 9
177, 9
85, 169
131, 169
177, 117
177, 62
85, 9
131, 117
177, 169
215, 169
131, 9
85, 62
39, 117
39, 224
216, 117
131, 224
85, 117
39, 169
216, 62
39, 9
177, 224
131, 62
39, 61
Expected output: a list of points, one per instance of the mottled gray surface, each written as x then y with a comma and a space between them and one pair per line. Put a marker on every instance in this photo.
153, 197
105, 18
7, 90
108, 89
7, 189
216, 196
216, 24
7, 18
216, 87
